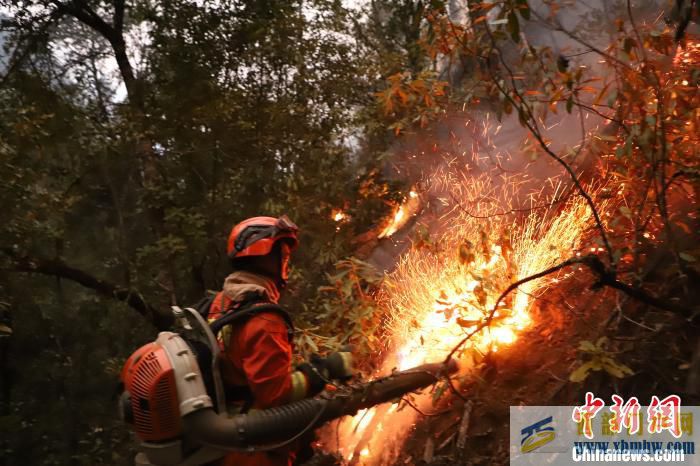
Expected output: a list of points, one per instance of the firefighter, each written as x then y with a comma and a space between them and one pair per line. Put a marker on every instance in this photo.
256, 361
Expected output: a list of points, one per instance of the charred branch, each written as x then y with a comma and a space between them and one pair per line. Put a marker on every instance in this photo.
682, 14
429, 450
606, 277
464, 425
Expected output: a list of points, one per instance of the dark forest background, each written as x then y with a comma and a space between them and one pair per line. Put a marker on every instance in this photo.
125, 164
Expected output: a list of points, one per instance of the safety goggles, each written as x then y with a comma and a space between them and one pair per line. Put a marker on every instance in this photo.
253, 233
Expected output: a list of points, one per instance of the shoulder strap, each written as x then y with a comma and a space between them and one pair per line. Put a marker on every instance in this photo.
248, 310
204, 305
238, 315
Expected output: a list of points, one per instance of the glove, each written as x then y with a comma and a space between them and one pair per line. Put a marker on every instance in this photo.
316, 374
340, 365
319, 371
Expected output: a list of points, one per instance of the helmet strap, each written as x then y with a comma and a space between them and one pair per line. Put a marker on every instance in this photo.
270, 265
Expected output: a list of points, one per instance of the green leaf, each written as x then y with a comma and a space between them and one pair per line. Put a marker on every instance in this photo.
619, 152
514, 27
581, 373
524, 9
615, 368
522, 119
569, 104
687, 257
439, 391
587, 346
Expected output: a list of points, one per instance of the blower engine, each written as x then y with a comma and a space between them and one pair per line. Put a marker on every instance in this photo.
174, 402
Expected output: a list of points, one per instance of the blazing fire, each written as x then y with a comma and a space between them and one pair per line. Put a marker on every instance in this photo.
437, 295
402, 214
492, 231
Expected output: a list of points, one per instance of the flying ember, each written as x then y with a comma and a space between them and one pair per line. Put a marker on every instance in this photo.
338, 215
443, 291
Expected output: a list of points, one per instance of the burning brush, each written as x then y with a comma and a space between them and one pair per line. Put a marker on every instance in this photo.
439, 294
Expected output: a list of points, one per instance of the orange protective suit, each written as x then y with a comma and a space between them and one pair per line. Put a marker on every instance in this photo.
257, 356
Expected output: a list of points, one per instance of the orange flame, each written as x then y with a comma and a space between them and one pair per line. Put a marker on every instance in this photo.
338, 215
396, 223
437, 297
402, 214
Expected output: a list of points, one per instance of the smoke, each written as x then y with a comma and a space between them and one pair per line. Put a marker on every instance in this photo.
474, 141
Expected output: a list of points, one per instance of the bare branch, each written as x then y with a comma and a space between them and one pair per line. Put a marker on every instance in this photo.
58, 268
528, 119
588, 45
81, 11
21, 53
118, 17
515, 210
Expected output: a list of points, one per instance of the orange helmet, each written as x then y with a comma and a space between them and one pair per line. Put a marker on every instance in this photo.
256, 236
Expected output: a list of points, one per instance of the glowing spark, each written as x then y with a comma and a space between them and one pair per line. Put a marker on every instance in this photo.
436, 297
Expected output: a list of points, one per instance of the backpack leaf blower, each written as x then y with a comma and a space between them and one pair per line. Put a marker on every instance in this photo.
174, 402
